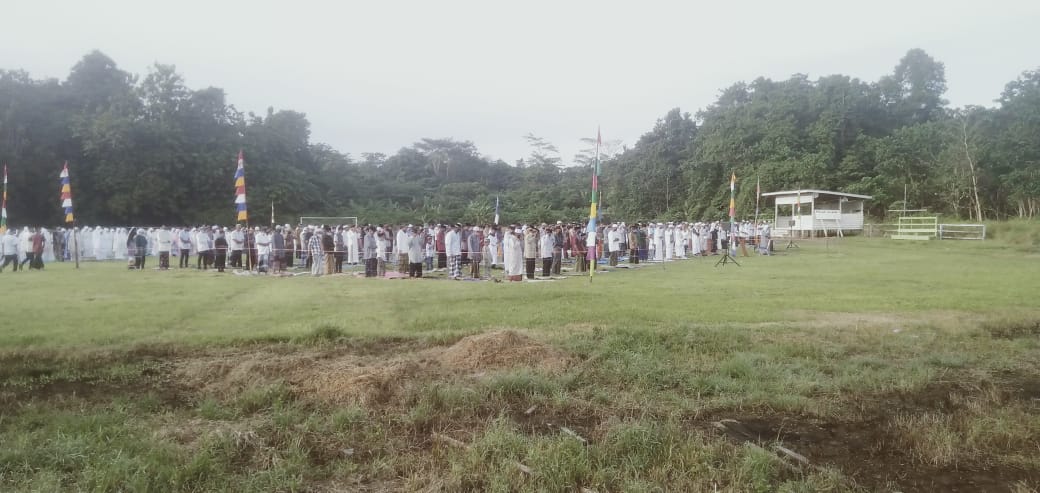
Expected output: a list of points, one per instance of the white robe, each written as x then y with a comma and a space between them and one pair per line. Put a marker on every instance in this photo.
669, 244
48, 245
680, 243
24, 244
514, 256
659, 244
351, 240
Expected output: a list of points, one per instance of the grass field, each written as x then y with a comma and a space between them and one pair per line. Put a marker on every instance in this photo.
848, 365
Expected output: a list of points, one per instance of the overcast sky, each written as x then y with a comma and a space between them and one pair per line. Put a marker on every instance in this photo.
376, 76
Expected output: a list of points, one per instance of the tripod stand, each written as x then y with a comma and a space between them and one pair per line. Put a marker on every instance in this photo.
728, 257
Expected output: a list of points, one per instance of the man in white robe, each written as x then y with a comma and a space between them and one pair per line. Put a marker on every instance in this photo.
669, 242
350, 239
513, 256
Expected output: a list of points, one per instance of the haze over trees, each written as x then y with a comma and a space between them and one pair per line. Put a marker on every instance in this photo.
150, 150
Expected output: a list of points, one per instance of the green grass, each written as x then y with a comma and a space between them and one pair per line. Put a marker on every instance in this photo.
918, 359
104, 305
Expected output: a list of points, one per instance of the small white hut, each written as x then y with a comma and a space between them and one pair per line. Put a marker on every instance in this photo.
818, 211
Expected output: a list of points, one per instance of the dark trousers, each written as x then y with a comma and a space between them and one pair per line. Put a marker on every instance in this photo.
220, 261
529, 267
442, 260
164, 260
370, 267
139, 261
184, 258
415, 269
557, 263
236, 258
339, 262
633, 256
200, 260
546, 266
289, 258
10, 260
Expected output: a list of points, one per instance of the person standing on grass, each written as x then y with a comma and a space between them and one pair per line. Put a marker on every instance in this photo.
369, 252
290, 247
164, 243
401, 249
546, 244
316, 253
513, 255
184, 245
328, 244
263, 249
416, 245
530, 250
613, 244
237, 242
475, 245
430, 249
9, 248
38, 244
202, 247
140, 248
577, 244
220, 246
453, 249
442, 256
763, 239
339, 240
277, 250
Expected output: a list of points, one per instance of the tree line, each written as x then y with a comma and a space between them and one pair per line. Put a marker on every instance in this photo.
150, 150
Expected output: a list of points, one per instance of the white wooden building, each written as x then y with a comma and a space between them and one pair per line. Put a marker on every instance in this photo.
821, 212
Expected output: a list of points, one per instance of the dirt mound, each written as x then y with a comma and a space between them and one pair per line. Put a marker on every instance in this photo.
228, 374
341, 384
501, 349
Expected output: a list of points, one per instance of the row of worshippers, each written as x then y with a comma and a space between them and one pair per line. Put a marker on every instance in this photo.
274, 249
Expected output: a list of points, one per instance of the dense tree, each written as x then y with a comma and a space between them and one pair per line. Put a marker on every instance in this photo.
151, 150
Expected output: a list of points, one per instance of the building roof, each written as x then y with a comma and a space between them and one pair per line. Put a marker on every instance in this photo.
821, 192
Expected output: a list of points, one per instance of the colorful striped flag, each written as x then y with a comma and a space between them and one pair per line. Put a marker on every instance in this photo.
3, 206
592, 254
732, 202
66, 194
593, 212
732, 215
240, 189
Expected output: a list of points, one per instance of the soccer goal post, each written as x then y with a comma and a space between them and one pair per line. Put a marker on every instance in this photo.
332, 221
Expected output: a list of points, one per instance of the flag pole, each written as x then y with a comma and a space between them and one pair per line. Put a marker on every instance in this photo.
731, 251
593, 214
758, 195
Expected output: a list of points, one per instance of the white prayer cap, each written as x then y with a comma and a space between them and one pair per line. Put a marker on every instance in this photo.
410, 226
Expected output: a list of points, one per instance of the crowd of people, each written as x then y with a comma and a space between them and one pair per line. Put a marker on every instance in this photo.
407, 249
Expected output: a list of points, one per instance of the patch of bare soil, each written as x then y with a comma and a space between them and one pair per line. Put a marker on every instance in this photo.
348, 377
871, 450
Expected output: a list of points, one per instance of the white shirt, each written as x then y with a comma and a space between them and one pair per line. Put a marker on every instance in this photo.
237, 240
164, 240
452, 243
9, 244
263, 243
